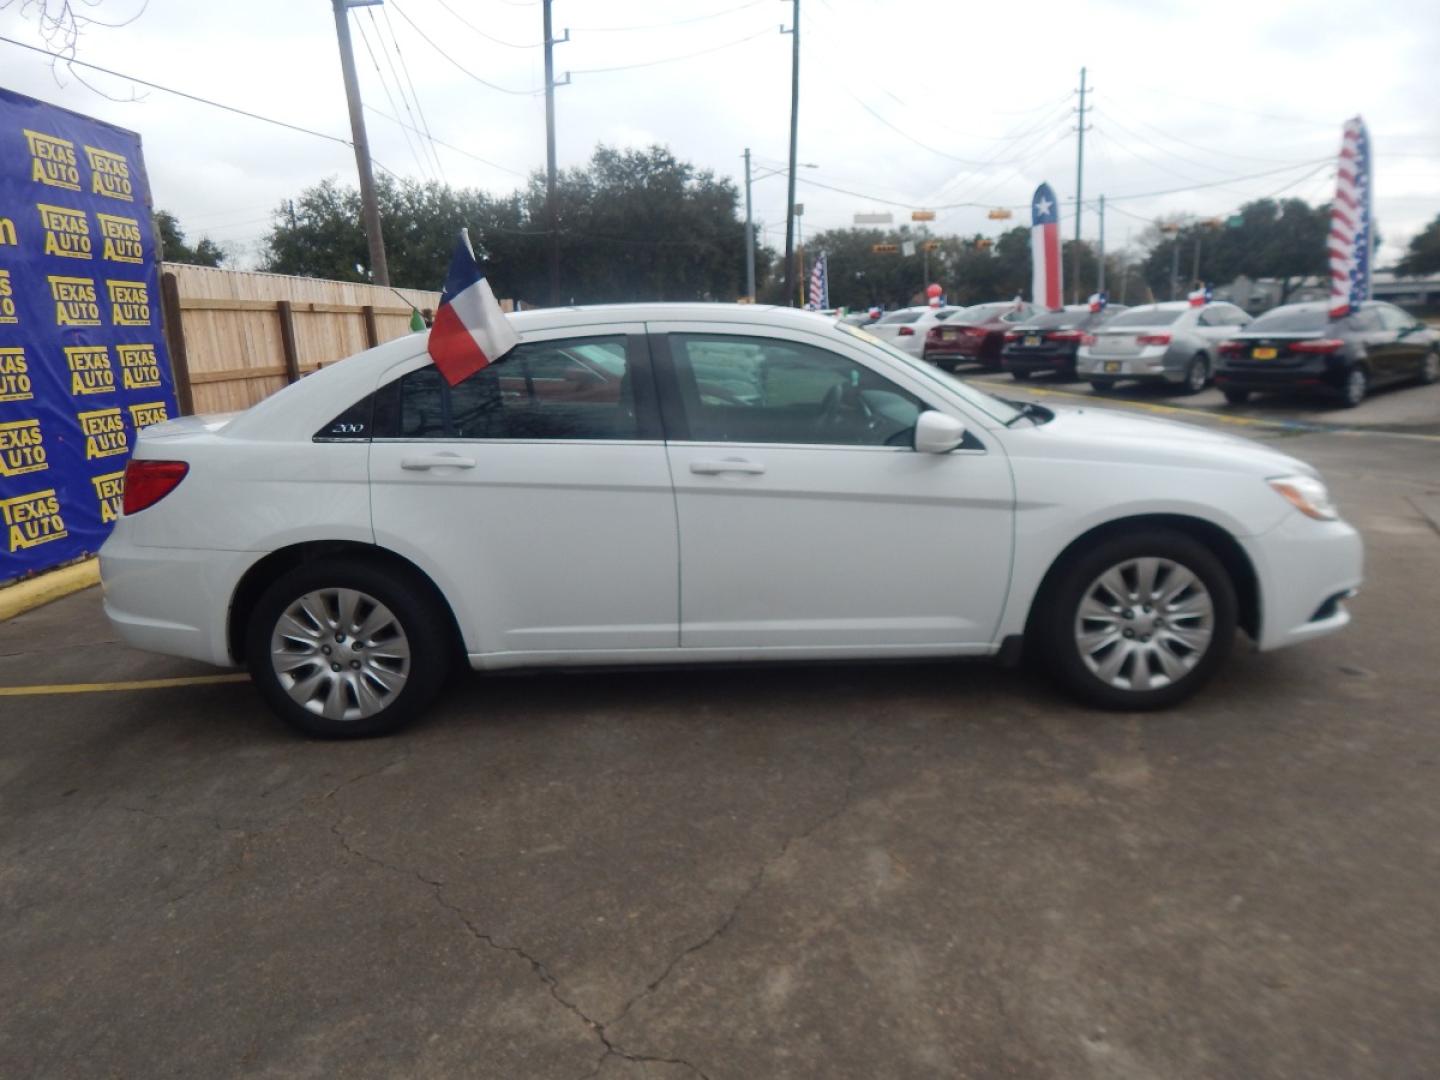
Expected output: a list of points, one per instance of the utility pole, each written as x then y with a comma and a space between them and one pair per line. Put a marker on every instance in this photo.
1174, 265
369, 206
794, 32
1079, 188
1100, 287
1195, 262
749, 235
552, 227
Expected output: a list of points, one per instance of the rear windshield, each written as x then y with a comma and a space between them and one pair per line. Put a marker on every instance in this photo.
986, 312
900, 317
1049, 320
945, 313
1290, 321
1144, 318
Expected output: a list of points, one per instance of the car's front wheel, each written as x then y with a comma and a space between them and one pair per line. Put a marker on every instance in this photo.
1138, 622
347, 649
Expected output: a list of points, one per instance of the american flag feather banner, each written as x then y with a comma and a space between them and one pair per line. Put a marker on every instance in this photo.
1045, 249
819, 285
1352, 229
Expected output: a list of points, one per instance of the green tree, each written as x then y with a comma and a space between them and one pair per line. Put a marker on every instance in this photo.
633, 225
1423, 255
174, 248
1284, 240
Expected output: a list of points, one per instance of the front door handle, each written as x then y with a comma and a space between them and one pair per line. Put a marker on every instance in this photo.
735, 465
437, 461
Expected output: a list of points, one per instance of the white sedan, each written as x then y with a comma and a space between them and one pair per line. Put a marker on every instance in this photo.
670, 484
905, 328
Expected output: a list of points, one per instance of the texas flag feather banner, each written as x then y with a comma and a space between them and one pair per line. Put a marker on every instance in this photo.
470, 330
1352, 227
1045, 249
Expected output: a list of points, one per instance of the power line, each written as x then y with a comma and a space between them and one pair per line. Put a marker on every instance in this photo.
384, 85
456, 63
1110, 111
450, 146
670, 22
489, 37
670, 59
390, 27
181, 93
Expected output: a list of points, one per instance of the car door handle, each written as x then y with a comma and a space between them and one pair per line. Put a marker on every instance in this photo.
437, 461
737, 465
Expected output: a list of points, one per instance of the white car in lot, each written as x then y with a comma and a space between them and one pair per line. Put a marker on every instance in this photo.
906, 328
663, 484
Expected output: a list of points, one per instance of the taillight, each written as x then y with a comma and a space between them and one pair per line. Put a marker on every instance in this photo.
1153, 339
1324, 345
1232, 348
906, 331
933, 334
147, 482
975, 331
1066, 335
1013, 335
1087, 339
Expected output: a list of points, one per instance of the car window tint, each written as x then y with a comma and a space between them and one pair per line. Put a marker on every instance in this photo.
1393, 318
353, 425
1285, 320
568, 389
899, 317
768, 390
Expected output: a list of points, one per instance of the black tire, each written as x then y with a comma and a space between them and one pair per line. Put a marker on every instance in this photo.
1237, 397
1430, 368
1356, 386
425, 628
1197, 375
1102, 386
1055, 627
1019, 375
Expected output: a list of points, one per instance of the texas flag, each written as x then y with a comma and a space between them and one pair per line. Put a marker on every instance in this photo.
470, 330
1201, 296
1045, 249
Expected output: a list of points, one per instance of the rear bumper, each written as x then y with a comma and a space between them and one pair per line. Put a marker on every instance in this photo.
172, 600
1149, 365
1298, 379
1037, 361
1306, 569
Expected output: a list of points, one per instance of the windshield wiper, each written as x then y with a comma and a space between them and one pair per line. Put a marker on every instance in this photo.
1038, 413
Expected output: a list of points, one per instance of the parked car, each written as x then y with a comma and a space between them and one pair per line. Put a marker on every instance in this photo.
906, 328
975, 334
1300, 347
1173, 343
861, 318
766, 486
1049, 341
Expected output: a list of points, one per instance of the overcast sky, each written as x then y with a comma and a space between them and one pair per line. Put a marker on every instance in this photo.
915, 104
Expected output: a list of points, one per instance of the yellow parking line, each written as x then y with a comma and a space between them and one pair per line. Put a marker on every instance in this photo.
109, 687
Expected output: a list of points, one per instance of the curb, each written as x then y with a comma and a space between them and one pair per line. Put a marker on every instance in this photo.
48, 587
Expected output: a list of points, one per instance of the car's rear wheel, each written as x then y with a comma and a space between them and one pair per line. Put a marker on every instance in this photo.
1140, 621
1197, 374
1018, 375
1102, 386
347, 649
1355, 387
1237, 397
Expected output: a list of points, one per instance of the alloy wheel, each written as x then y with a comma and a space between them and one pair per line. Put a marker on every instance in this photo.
340, 654
1144, 623
1356, 384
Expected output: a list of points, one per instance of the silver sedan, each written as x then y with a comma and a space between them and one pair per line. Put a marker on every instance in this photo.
1173, 343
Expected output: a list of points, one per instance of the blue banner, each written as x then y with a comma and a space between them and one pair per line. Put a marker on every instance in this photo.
83, 364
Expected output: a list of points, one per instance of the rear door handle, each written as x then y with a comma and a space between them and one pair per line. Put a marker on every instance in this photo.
437, 461
735, 465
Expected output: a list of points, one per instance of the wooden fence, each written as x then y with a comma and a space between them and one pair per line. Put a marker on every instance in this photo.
236, 337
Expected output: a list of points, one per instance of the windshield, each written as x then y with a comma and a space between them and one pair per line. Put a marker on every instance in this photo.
900, 317
1144, 317
1290, 321
990, 406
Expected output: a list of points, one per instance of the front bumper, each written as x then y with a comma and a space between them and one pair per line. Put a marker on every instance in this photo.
1306, 570
172, 600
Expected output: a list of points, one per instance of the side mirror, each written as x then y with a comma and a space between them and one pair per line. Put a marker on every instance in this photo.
937, 433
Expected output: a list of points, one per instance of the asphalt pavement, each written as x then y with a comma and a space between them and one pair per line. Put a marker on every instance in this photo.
908, 870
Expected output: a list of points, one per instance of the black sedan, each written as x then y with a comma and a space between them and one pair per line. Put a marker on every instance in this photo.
1048, 341
1300, 347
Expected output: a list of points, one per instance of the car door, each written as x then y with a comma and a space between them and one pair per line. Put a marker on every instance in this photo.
808, 523
536, 493
1406, 346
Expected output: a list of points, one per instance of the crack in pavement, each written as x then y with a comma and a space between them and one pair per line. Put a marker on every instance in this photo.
758, 878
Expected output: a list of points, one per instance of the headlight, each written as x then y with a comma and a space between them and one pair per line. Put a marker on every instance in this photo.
1306, 494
